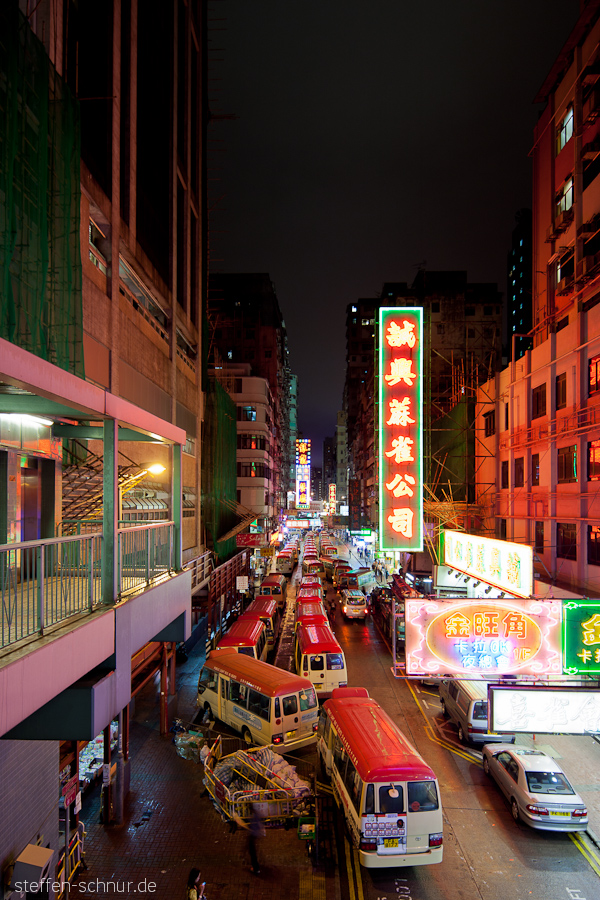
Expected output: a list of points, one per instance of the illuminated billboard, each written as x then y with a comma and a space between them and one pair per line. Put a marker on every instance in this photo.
581, 637
332, 496
501, 564
484, 637
543, 710
302, 474
400, 428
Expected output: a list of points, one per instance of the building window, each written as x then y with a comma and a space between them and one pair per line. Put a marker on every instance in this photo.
566, 541
593, 473
594, 375
519, 472
251, 442
440, 328
489, 423
539, 537
504, 474
535, 469
564, 200
565, 130
246, 413
561, 390
502, 529
593, 548
506, 416
435, 307
538, 401
567, 465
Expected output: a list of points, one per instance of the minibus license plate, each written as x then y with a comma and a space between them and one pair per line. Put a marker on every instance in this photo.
390, 842
289, 735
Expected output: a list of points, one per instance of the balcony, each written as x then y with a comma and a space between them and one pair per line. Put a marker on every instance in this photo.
44, 584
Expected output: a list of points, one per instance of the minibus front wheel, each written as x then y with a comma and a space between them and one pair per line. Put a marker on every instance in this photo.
246, 735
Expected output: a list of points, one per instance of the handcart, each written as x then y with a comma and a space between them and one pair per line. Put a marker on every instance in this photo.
253, 786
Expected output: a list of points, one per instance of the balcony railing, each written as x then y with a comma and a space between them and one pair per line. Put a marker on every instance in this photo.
44, 583
146, 552
577, 420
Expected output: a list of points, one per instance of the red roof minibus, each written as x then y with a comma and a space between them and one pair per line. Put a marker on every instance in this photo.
386, 790
268, 705
247, 636
318, 656
265, 609
275, 586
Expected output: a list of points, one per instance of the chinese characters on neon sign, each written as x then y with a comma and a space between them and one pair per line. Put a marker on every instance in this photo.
485, 637
581, 637
303, 474
332, 498
400, 428
502, 564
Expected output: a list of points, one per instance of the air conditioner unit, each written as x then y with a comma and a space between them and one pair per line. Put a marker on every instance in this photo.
33, 866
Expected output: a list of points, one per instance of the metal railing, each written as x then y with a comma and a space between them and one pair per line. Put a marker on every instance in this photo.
45, 582
146, 552
201, 568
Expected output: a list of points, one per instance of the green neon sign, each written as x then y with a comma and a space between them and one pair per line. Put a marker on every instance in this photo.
581, 637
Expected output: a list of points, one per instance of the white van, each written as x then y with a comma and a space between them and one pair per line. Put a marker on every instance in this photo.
465, 703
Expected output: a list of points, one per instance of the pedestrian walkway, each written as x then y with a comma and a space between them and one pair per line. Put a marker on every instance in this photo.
171, 825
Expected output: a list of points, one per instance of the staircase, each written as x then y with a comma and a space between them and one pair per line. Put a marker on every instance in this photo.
82, 482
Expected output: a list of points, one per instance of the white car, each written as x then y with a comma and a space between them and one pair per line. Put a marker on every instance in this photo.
537, 789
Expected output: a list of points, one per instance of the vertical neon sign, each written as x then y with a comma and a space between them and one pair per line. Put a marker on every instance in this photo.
303, 474
400, 428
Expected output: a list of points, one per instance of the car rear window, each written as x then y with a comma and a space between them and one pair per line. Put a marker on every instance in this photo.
548, 783
480, 709
335, 661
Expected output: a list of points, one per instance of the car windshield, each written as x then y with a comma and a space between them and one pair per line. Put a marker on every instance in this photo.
548, 783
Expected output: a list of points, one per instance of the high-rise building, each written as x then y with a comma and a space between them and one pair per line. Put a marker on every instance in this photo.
539, 420
518, 281
246, 326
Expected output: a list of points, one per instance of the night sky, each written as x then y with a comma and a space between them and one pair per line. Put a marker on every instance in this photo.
370, 137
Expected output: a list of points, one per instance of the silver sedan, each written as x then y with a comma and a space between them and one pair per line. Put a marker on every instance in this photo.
537, 789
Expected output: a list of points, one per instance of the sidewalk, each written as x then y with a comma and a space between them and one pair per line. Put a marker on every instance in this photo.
172, 826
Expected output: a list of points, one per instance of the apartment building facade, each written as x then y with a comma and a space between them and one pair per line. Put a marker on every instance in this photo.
539, 420
100, 381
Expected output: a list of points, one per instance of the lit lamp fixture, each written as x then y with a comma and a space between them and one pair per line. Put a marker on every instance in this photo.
155, 469
488, 589
467, 580
476, 584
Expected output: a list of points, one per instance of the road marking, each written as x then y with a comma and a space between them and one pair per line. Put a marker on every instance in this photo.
349, 869
589, 852
358, 871
465, 754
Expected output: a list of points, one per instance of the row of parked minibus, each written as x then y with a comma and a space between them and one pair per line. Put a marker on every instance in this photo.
388, 794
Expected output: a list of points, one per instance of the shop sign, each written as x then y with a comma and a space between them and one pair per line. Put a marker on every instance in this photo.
354, 503
492, 637
400, 426
70, 790
250, 540
297, 523
581, 637
241, 582
303, 474
502, 564
544, 710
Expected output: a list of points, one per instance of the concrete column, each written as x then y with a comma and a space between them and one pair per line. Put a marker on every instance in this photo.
176, 504
110, 515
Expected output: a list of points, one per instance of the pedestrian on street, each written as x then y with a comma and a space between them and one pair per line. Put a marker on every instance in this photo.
195, 889
256, 830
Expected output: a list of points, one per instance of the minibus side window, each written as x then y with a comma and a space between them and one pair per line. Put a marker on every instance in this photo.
370, 800
277, 708
258, 704
290, 705
238, 693
224, 684
317, 663
324, 726
247, 651
335, 661
339, 757
422, 796
308, 699
208, 680
391, 799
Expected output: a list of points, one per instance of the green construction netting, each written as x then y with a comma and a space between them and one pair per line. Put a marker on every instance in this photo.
219, 471
40, 263
453, 453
